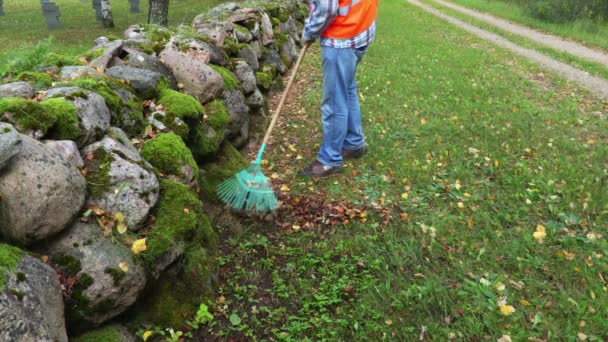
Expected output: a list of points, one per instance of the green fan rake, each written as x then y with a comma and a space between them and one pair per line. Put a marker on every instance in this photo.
249, 189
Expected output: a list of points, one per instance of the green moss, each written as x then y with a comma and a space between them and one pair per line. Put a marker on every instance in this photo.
283, 15
271, 69
116, 273
205, 138
9, 259
68, 263
174, 124
175, 298
241, 29
167, 152
27, 114
105, 86
230, 161
157, 33
105, 334
98, 173
66, 119
40, 80
183, 106
112, 37
275, 22
56, 118
279, 39
100, 86
93, 54
231, 47
77, 306
204, 141
263, 80
21, 276
230, 81
174, 225
61, 60
217, 115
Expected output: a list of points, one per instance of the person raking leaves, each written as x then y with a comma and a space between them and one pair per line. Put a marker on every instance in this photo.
345, 29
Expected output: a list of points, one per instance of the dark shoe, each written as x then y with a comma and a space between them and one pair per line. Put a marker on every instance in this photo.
316, 169
358, 153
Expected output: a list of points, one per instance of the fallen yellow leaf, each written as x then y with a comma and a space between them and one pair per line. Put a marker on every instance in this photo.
123, 266
147, 335
292, 148
284, 188
404, 195
139, 246
506, 310
121, 228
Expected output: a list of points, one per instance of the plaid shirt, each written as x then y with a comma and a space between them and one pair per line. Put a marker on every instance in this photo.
322, 14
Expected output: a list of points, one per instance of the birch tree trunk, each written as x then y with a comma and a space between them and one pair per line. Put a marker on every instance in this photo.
106, 14
158, 12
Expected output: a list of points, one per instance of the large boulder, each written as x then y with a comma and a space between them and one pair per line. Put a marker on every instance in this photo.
120, 180
111, 49
142, 60
31, 302
9, 143
40, 193
273, 58
198, 78
67, 149
135, 33
244, 73
143, 81
249, 55
289, 52
290, 27
75, 71
214, 53
17, 89
108, 280
266, 30
94, 116
238, 130
256, 100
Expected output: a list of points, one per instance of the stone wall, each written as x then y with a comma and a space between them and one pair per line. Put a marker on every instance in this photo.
108, 161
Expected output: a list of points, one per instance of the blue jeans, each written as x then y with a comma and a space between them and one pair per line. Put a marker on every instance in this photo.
341, 115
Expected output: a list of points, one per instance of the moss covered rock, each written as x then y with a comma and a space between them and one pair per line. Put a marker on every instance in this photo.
53, 118
38, 79
229, 162
230, 81
206, 137
183, 238
126, 108
177, 295
110, 333
263, 80
170, 156
181, 105
180, 221
9, 259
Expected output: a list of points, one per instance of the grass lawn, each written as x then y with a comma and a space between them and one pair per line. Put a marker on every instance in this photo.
593, 68
587, 31
23, 25
481, 210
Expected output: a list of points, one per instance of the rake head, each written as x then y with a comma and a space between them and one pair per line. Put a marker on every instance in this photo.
248, 190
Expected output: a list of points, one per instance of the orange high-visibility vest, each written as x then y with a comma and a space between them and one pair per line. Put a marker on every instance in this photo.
354, 17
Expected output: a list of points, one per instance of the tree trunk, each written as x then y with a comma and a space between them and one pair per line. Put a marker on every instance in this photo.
158, 12
106, 14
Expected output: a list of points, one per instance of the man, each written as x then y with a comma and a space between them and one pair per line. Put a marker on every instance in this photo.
345, 28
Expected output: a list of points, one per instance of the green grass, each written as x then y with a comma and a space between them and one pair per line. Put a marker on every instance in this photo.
23, 25
469, 157
593, 68
588, 31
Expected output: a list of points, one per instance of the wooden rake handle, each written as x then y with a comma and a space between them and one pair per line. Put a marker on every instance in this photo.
275, 116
